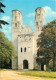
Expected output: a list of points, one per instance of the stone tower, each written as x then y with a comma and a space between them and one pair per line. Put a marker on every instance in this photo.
25, 40
16, 19
39, 19
16, 30
39, 25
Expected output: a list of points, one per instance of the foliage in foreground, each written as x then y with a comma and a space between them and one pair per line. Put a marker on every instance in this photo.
40, 74
47, 46
6, 51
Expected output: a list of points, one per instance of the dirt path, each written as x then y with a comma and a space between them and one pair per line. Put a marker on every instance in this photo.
14, 75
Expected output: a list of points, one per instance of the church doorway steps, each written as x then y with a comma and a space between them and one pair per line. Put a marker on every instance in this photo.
25, 64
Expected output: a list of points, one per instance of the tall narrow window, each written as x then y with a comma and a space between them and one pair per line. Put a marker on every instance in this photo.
36, 23
25, 49
15, 17
15, 24
38, 28
21, 49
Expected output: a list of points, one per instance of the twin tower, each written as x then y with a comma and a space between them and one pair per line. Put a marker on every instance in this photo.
39, 19
24, 40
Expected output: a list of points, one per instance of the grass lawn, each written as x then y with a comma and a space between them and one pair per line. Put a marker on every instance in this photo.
44, 74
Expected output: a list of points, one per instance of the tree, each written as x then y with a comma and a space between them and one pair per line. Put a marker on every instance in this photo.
6, 51
2, 11
47, 45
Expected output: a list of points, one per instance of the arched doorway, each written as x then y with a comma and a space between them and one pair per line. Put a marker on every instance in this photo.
42, 67
25, 64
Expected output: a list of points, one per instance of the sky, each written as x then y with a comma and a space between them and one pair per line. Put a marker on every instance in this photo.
27, 8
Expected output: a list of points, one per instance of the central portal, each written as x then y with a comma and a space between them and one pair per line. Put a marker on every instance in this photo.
25, 64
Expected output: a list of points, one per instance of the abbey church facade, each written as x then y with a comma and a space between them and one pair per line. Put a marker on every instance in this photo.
25, 40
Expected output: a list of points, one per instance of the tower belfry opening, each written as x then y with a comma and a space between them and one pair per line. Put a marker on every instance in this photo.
39, 19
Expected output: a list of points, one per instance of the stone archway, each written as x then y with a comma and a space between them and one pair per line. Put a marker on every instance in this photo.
25, 64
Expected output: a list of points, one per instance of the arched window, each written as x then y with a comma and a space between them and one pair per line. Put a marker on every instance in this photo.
15, 17
15, 24
25, 49
21, 49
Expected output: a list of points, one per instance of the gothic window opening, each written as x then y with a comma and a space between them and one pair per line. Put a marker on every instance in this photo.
21, 50
25, 49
